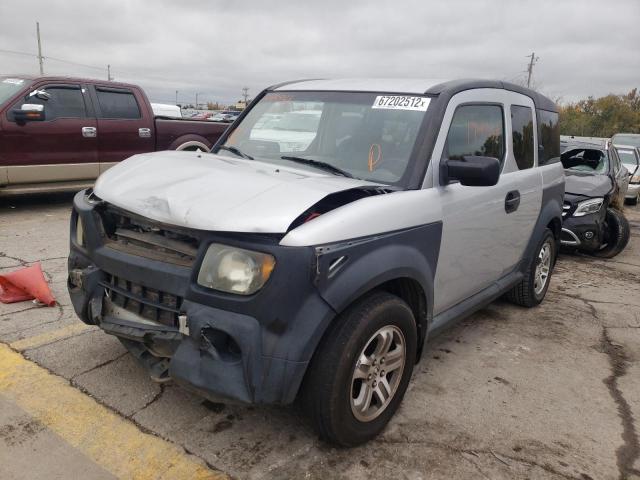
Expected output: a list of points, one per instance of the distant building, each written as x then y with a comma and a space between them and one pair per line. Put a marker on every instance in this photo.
240, 105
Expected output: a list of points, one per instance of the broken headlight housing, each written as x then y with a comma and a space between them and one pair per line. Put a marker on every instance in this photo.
79, 231
235, 270
588, 206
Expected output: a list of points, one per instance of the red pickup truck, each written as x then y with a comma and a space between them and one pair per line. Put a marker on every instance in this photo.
60, 133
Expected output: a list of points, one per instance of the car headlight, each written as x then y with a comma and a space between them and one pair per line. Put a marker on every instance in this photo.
79, 231
235, 270
588, 206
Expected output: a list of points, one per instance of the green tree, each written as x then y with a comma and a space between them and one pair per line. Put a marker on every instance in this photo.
602, 117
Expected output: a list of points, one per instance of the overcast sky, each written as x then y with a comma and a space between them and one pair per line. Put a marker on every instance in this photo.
217, 47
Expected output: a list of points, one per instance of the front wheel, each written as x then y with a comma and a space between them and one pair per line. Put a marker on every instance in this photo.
361, 370
617, 233
533, 287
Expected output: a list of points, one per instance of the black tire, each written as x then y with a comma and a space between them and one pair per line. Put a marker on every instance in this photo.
616, 236
327, 389
634, 200
524, 293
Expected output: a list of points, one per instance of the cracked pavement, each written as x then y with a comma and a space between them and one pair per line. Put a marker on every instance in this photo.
546, 393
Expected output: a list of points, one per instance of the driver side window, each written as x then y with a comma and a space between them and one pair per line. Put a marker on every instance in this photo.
65, 101
476, 130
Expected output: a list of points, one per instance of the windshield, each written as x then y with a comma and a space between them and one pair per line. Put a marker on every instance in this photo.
587, 160
367, 135
9, 87
627, 156
626, 139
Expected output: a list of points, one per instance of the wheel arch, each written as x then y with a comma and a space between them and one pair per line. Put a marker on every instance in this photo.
191, 142
403, 267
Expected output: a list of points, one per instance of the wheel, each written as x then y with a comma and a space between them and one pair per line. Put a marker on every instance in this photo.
533, 287
361, 370
634, 200
617, 233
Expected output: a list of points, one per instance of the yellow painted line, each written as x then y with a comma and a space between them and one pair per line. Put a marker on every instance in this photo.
48, 337
110, 441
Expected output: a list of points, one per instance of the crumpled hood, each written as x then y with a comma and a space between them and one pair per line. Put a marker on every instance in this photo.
586, 184
217, 193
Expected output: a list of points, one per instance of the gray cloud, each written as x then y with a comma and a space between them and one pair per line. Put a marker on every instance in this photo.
216, 47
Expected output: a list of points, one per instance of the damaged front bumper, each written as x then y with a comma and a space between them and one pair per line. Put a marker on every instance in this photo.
252, 349
585, 232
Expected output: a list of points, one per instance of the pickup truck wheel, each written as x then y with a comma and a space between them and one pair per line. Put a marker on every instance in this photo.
361, 370
616, 235
533, 287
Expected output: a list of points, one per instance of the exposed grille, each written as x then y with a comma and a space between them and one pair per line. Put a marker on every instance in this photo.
149, 303
138, 236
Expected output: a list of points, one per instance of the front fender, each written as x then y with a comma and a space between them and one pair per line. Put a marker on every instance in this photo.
347, 270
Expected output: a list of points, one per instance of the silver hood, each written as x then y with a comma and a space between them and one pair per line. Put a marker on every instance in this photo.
218, 193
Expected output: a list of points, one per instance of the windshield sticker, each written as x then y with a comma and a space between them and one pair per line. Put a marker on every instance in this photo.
401, 102
13, 81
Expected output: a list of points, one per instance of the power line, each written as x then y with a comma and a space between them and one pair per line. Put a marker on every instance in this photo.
15, 52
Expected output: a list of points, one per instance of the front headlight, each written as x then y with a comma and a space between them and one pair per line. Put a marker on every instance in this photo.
235, 270
588, 206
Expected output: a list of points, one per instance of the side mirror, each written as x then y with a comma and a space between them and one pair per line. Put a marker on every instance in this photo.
29, 112
473, 171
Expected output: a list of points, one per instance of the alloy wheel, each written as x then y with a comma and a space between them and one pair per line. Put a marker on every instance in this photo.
543, 267
377, 373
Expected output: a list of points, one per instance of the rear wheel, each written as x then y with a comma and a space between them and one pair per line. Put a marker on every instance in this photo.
617, 233
361, 370
634, 200
533, 287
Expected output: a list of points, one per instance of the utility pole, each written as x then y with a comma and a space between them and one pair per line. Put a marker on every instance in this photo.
40, 57
176, 97
196, 100
245, 94
109, 77
533, 61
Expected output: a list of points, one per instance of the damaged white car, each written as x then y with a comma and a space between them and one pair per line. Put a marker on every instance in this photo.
314, 267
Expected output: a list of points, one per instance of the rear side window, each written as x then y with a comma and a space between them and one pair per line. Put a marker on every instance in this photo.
117, 103
522, 135
63, 101
548, 137
476, 130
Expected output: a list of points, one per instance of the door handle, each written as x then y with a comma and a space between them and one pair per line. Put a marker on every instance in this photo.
512, 201
89, 132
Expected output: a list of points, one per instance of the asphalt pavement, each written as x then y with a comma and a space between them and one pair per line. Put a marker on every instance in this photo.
544, 393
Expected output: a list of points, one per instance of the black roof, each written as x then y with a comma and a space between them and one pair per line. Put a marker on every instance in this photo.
453, 87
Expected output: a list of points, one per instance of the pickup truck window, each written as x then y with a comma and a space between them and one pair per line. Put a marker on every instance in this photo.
476, 130
522, 135
548, 137
117, 103
368, 135
65, 101
9, 87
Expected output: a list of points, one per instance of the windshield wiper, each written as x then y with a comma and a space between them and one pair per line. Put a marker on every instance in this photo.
318, 164
236, 151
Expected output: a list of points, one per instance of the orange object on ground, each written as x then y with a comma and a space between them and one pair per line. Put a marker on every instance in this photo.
25, 284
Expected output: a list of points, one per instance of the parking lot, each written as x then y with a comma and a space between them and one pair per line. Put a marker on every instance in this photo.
549, 392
